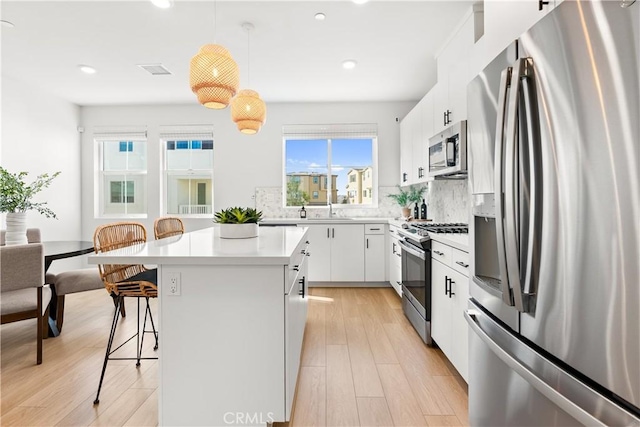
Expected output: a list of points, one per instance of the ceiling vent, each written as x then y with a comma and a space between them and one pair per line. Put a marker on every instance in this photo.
155, 69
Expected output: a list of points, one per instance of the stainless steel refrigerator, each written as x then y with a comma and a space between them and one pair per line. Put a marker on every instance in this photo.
554, 167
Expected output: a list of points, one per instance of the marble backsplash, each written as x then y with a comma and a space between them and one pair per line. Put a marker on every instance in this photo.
447, 201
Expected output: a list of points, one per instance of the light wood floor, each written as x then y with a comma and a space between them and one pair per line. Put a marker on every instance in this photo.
362, 364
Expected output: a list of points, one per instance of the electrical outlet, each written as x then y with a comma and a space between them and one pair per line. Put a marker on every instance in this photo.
174, 286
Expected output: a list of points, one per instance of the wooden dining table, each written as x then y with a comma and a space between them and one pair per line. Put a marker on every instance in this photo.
61, 249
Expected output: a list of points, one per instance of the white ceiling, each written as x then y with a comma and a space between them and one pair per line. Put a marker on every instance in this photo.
294, 58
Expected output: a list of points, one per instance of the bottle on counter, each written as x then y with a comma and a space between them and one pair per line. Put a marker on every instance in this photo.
416, 211
423, 210
303, 212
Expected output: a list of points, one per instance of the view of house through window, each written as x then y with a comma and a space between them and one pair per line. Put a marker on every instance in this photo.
123, 175
331, 170
189, 176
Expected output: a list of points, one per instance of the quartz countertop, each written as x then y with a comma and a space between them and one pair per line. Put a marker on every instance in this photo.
273, 246
320, 220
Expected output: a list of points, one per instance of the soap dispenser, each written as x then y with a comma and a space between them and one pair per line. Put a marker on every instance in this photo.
303, 212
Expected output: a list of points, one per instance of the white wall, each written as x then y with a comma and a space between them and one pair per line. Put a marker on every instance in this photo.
241, 162
39, 135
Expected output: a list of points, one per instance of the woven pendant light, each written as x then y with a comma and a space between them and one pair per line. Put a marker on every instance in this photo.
248, 111
214, 76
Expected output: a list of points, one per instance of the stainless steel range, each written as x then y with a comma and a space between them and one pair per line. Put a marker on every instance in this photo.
416, 272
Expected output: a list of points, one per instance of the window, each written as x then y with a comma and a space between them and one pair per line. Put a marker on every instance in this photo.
122, 172
342, 157
122, 191
187, 170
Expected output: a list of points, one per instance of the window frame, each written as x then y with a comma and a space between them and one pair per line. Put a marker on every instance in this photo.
196, 173
328, 183
101, 175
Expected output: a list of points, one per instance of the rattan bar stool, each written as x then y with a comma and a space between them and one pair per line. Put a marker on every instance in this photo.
125, 281
167, 227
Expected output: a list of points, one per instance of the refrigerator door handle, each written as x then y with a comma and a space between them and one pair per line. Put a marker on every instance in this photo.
532, 257
505, 79
561, 388
512, 247
523, 301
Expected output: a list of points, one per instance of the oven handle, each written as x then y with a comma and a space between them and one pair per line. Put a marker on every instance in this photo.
413, 250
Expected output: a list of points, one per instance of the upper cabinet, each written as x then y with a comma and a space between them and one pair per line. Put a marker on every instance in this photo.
450, 93
415, 130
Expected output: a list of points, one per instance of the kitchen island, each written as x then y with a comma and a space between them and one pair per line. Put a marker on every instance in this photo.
231, 319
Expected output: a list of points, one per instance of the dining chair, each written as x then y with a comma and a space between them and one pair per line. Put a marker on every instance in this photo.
73, 281
167, 227
125, 281
22, 271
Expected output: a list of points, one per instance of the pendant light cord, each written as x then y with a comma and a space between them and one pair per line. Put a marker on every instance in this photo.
215, 20
248, 57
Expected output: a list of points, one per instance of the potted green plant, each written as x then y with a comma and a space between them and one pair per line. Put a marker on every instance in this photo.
16, 198
403, 199
238, 223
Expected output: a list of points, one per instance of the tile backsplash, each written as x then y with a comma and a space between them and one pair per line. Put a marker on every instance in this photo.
447, 201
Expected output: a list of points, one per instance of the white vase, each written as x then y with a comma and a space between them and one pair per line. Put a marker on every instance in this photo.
16, 229
238, 231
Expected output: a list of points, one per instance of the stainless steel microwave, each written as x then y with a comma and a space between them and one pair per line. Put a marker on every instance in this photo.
448, 152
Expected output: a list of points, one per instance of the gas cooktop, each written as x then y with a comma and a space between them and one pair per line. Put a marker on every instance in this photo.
457, 227
419, 231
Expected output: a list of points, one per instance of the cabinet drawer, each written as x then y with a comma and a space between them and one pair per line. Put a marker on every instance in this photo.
460, 261
374, 229
441, 252
297, 264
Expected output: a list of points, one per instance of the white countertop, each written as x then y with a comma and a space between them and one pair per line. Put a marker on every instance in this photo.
273, 246
313, 220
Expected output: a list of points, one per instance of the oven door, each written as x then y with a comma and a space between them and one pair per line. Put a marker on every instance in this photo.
414, 276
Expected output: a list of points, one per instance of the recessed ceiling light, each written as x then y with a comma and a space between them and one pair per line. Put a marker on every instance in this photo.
87, 69
6, 24
349, 64
320, 16
162, 4
360, 1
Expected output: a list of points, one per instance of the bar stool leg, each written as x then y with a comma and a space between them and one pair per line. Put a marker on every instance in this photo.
118, 299
153, 326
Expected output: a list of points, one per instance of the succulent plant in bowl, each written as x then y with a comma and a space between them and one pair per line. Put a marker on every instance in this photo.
237, 222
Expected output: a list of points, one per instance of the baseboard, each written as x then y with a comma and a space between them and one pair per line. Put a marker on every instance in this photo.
349, 284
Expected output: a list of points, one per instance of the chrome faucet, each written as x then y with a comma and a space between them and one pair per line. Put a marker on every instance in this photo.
330, 210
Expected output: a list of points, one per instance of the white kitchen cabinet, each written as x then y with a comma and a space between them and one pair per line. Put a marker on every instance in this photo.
394, 258
409, 130
320, 250
295, 316
415, 130
374, 250
450, 93
337, 253
500, 32
449, 297
424, 131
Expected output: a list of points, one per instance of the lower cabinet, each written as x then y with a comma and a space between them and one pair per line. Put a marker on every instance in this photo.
295, 316
347, 253
449, 298
394, 257
374, 253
